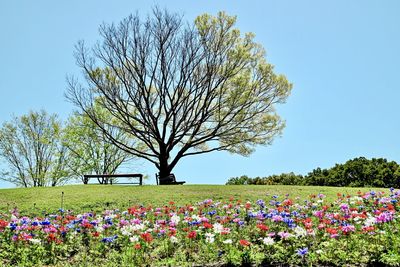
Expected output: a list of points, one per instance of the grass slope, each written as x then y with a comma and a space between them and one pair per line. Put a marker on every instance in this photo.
100, 197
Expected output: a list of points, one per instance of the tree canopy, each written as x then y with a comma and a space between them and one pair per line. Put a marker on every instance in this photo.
180, 89
30, 145
88, 148
357, 172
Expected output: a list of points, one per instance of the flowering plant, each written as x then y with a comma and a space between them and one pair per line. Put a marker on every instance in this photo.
359, 229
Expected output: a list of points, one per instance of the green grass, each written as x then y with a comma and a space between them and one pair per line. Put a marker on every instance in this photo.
99, 197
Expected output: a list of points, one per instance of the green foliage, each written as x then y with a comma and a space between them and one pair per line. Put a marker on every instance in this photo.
281, 179
88, 149
358, 172
31, 147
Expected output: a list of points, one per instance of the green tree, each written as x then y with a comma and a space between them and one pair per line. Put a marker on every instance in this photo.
30, 145
358, 172
88, 148
244, 179
181, 89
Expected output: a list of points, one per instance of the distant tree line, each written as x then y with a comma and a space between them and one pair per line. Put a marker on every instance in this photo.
38, 150
357, 172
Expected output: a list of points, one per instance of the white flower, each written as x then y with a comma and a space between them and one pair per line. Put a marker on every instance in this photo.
99, 229
196, 217
319, 251
134, 238
268, 241
218, 228
137, 227
175, 219
228, 241
300, 232
311, 232
126, 230
209, 235
209, 238
35, 241
173, 239
370, 221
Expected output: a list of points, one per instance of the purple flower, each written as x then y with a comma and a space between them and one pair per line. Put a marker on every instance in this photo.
260, 203
109, 239
302, 251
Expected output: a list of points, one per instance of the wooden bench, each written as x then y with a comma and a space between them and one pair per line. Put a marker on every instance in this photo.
86, 177
169, 180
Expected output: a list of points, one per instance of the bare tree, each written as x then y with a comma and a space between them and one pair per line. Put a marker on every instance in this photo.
180, 89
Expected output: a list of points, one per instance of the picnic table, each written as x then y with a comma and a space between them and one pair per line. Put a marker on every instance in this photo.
86, 178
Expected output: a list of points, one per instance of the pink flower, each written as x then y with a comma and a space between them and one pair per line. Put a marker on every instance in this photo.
284, 235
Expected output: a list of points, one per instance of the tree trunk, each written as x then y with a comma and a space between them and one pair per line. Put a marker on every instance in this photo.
164, 167
164, 170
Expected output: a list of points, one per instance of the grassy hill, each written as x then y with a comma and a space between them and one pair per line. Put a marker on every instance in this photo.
276, 231
100, 197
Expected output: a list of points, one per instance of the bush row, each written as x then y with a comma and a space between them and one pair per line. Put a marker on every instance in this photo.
357, 172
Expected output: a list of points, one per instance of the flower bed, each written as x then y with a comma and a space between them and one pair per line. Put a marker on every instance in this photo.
359, 229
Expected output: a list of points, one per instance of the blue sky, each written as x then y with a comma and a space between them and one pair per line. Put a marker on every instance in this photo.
341, 56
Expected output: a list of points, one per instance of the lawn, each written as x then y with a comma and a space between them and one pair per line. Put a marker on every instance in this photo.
82, 198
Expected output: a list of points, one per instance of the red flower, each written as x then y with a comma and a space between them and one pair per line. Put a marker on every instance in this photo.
244, 243
95, 234
87, 225
132, 210
138, 246
192, 235
3, 224
288, 202
207, 225
332, 231
367, 229
68, 217
147, 237
172, 231
51, 237
262, 227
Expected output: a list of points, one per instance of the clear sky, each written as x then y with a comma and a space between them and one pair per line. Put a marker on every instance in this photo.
342, 57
